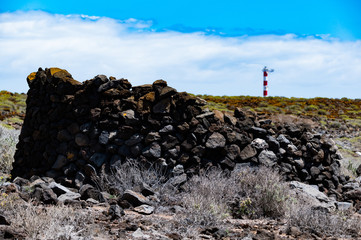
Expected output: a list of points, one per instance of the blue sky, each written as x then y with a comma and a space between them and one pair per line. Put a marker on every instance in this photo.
206, 47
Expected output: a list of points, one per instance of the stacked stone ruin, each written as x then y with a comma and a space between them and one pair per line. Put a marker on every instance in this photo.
72, 130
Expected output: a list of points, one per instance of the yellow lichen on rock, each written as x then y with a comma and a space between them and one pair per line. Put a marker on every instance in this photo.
55, 70
63, 75
31, 77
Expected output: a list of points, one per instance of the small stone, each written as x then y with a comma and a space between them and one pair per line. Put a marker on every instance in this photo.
68, 196
104, 137
259, 131
274, 145
98, 159
167, 129
230, 119
73, 128
129, 116
178, 170
314, 171
81, 140
283, 140
144, 209
299, 163
45, 195
163, 106
343, 206
153, 151
267, 158
167, 91
139, 234
60, 162
248, 152
233, 152
64, 136
259, 144
134, 198
216, 140
227, 163
57, 188
88, 191
115, 211
134, 139
291, 149
205, 115
151, 137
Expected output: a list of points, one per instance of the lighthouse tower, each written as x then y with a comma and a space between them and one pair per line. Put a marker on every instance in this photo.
265, 80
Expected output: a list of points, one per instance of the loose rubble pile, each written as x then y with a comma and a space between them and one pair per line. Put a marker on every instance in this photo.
72, 130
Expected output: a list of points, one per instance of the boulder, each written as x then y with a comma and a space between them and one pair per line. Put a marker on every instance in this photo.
134, 198
315, 197
267, 158
248, 152
216, 140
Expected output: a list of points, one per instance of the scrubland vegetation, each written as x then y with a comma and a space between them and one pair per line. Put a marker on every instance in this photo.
206, 200
343, 108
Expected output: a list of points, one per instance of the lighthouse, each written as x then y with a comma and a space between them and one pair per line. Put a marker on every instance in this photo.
265, 80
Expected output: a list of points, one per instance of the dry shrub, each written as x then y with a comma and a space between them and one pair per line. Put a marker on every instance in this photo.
51, 222
8, 140
131, 175
206, 197
261, 193
324, 223
247, 193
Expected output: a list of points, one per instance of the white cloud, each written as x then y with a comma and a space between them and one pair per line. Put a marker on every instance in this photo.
194, 62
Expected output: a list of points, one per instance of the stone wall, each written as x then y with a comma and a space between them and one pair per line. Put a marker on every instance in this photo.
72, 130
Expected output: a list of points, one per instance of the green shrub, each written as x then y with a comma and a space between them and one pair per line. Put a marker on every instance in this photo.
311, 108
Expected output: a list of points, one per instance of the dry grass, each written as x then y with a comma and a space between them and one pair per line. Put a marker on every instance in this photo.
261, 193
213, 196
323, 223
132, 175
50, 222
206, 197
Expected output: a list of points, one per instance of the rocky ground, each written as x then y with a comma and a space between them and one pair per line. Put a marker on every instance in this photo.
40, 208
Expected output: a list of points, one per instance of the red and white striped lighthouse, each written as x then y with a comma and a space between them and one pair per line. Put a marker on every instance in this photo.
265, 81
